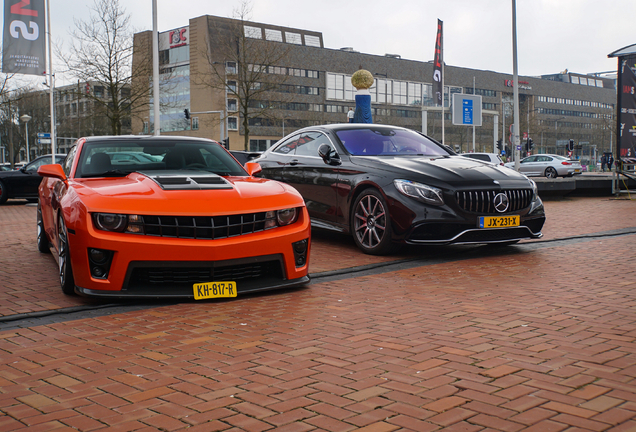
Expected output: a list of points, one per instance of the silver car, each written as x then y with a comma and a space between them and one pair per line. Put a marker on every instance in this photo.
548, 165
492, 158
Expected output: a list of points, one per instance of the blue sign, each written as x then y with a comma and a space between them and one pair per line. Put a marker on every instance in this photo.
44, 135
467, 106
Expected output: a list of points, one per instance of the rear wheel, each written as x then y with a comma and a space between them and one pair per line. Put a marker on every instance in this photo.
43, 241
550, 172
4, 193
66, 272
371, 223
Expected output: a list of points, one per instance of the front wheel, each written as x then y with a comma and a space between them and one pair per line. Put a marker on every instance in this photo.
371, 223
43, 241
550, 172
64, 260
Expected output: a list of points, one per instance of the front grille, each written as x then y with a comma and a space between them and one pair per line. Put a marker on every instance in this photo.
483, 201
203, 227
184, 275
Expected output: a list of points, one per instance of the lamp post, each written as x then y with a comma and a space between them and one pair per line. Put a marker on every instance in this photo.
25, 118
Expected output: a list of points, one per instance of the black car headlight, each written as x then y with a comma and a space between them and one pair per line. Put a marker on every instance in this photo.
118, 222
281, 217
419, 191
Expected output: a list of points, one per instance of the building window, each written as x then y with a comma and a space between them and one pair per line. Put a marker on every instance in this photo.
195, 123
260, 145
231, 86
253, 32
99, 91
232, 123
312, 41
273, 35
293, 38
145, 127
230, 68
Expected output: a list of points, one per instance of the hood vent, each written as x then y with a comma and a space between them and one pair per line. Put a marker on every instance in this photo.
198, 181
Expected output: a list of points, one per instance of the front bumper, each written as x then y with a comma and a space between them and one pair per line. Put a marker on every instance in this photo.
164, 267
418, 223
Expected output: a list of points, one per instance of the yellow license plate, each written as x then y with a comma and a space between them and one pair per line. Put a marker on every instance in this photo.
214, 290
499, 221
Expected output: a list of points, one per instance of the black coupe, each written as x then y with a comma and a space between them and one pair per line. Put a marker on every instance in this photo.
388, 185
23, 183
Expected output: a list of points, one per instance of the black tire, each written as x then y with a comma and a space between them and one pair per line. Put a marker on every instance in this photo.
32, 200
43, 241
4, 193
64, 259
551, 172
371, 224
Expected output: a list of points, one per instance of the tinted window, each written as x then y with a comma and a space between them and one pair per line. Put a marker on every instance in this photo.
120, 157
386, 141
68, 162
288, 146
308, 144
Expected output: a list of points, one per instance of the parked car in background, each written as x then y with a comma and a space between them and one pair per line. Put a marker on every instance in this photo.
548, 165
23, 183
492, 158
6, 167
195, 224
387, 185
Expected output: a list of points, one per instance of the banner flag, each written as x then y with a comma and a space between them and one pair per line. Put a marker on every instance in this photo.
627, 107
437, 67
23, 42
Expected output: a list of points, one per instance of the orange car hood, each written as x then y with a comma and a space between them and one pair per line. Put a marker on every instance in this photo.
140, 194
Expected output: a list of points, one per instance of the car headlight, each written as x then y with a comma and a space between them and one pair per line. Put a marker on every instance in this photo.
110, 221
419, 191
281, 217
118, 222
535, 190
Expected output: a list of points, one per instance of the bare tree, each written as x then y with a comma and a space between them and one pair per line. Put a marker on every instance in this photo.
248, 69
101, 54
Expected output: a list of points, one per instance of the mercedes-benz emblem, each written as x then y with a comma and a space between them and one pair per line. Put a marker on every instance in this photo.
501, 202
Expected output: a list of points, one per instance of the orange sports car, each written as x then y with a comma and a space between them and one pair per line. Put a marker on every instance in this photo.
149, 216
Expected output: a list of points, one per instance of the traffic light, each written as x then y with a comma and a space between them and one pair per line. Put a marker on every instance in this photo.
226, 143
500, 145
571, 145
186, 112
527, 145
530, 144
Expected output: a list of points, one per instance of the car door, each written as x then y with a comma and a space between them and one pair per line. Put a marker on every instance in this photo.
27, 182
316, 180
275, 164
528, 166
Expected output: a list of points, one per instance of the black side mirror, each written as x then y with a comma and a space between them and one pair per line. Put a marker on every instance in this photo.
328, 155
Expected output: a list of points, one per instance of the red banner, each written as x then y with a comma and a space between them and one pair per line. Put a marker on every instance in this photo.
438, 70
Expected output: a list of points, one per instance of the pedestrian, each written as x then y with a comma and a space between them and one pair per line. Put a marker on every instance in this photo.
610, 161
350, 115
603, 162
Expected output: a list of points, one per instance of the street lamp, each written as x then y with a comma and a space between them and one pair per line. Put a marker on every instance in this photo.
25, 118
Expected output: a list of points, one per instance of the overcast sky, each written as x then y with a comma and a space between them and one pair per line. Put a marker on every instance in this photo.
552, 35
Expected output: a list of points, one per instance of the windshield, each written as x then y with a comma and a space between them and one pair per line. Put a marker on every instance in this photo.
386, 141
113, 158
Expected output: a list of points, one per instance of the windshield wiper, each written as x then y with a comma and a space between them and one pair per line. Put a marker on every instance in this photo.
109, 173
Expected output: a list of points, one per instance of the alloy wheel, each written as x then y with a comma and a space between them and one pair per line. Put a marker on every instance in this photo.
550, 172
370, 222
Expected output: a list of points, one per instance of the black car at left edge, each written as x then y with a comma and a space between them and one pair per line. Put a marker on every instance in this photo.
23, 183
388, 185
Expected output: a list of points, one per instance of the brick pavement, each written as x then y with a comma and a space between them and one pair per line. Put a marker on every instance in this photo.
533, 340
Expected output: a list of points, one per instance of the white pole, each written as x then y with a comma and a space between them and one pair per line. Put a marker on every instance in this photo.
51, 83
155, 69
443, 91
26, 126
515, 77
